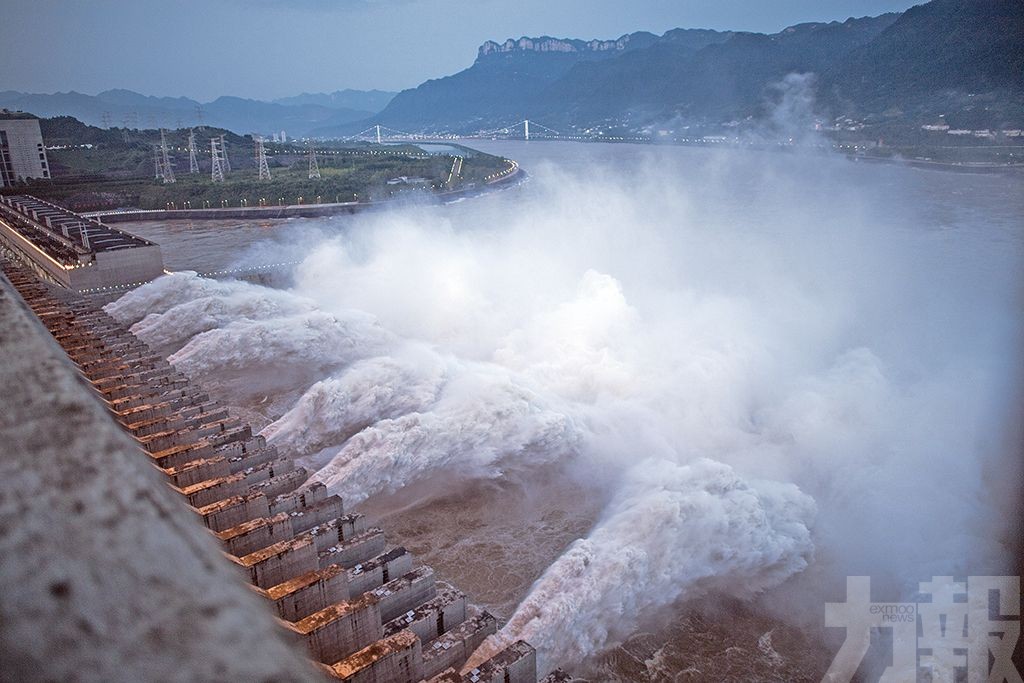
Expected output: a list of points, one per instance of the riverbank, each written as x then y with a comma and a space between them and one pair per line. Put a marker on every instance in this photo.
510, 176
972, 168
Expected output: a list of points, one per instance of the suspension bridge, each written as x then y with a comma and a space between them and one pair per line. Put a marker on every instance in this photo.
521, 130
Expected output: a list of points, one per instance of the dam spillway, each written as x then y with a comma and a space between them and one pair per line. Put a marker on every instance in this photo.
362, 610
73, 251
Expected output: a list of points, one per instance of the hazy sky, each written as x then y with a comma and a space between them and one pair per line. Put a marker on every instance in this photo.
273, 48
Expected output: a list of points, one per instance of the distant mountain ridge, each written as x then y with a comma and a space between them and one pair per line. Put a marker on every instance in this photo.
503, 77
937, 52
120, 107
549, 44
365, 100
958, 60
959, 57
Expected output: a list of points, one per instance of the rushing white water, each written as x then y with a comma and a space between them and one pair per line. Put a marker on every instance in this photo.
374, 389
670, 530
214, 327
187, 305
757, 360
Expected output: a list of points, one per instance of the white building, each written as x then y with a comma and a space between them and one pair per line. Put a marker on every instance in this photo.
22, 154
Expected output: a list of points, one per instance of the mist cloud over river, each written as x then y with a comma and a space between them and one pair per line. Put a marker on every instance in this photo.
770, 371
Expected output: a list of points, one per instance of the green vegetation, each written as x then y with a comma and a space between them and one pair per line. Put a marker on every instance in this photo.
96, 169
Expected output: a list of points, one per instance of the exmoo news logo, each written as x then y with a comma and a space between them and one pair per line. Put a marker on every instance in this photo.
961, 630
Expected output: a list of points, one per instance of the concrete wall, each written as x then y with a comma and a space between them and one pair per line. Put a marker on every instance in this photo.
25, 145
342, 629
379, 570
119, 268
106, 269
280, 562
455, 646
41, 263
515, 664
396, 659
104, 575
306, 594
400, 595
434, 617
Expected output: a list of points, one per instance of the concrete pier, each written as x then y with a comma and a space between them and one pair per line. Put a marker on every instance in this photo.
73, 251
453, 648
106, 576
362, 610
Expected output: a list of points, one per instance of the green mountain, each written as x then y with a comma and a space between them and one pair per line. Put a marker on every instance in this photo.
964, 58
503, 79
938, 55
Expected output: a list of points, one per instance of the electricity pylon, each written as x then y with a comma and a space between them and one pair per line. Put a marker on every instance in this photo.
193, 163
217, 170
261, 158
314, 167
224, 154
166, 171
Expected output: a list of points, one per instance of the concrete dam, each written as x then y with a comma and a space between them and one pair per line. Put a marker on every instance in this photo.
73, 251
355, 607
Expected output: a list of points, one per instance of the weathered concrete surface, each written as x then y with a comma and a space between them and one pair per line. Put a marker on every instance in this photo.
104, 575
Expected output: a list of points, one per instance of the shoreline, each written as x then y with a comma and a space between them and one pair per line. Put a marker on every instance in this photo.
514, 175
970, 168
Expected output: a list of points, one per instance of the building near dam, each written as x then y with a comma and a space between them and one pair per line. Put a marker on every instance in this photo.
73, 251
22, 154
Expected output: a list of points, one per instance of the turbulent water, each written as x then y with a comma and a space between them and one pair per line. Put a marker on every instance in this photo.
650, 407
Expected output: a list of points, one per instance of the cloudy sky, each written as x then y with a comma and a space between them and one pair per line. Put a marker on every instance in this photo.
273, 48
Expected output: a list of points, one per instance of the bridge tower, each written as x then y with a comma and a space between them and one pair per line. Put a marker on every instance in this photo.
168, 170
261, 158
526, 129
193, 163
378, 133
217, 170
314, 167
224, 156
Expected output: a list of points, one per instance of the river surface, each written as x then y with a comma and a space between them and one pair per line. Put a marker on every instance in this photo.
849, 333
